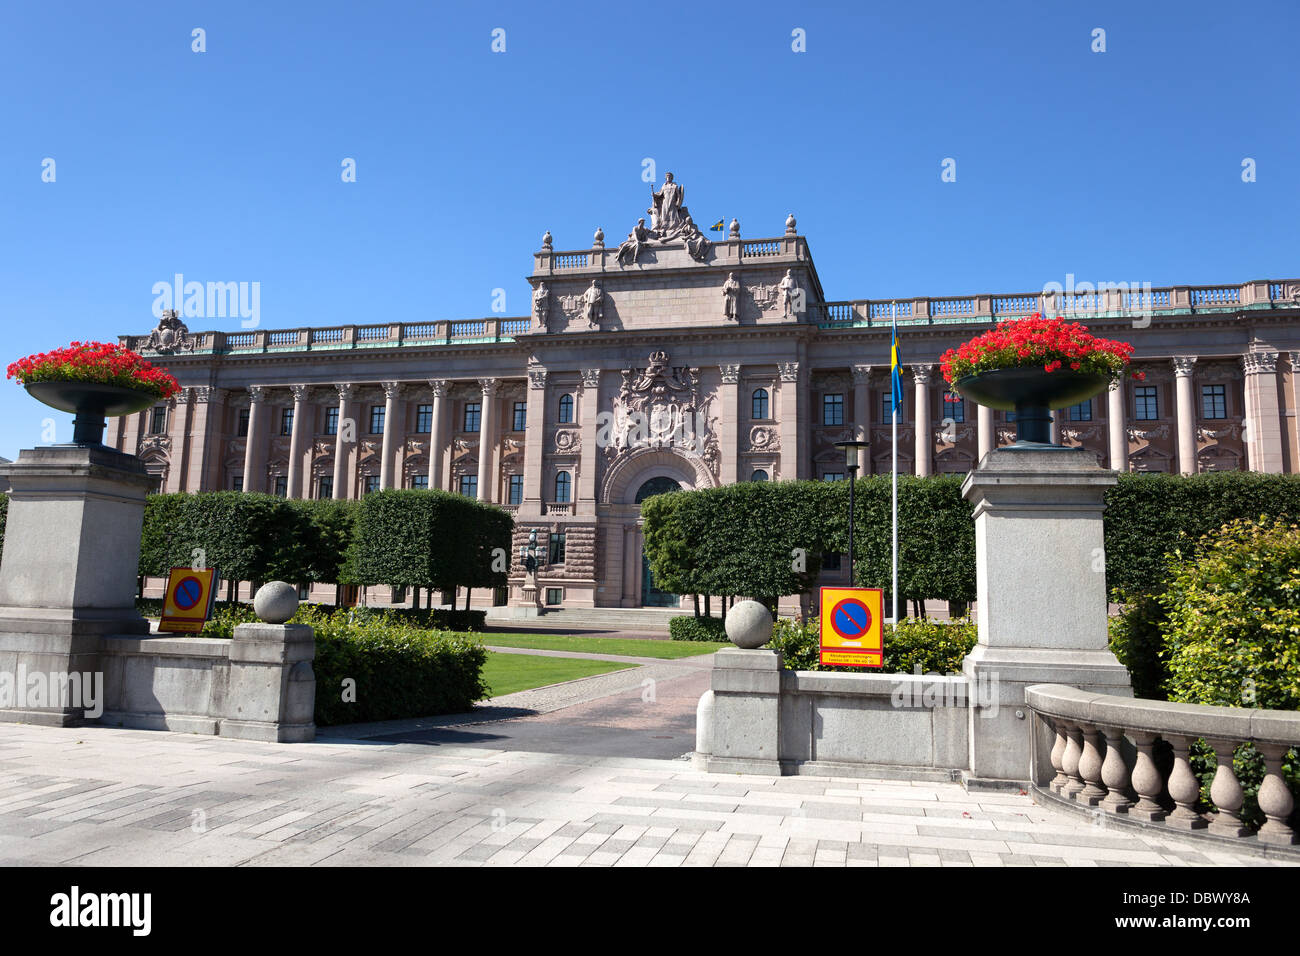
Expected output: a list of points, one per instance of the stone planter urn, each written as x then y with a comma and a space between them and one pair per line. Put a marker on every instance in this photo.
1032, 394
92, 403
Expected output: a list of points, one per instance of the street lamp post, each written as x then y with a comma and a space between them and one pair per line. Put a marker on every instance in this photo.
851, 465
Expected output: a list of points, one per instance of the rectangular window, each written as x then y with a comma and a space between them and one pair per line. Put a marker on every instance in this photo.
242, 430
833, 476
286, 421
520, 417
954, 406
555, 555
420, 481
473, 415
1214, 401
887, 408
469, 486
158, 420
516, 489
831, 562
1145, 406
554, 595
372, 483
833, 409
282, 486
424, 418
332, 420
304, 592
325, 487
237, 483
377, 419
1081, 412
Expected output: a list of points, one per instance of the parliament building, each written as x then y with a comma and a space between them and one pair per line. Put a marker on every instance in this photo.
674, 360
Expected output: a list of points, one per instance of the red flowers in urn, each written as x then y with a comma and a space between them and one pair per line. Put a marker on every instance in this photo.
1033, 365
94, 380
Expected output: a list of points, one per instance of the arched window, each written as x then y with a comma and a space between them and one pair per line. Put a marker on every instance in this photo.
759, 475
563, 485
759, 412
566, 409
656, 486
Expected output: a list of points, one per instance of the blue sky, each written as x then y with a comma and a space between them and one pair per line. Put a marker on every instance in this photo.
225, 165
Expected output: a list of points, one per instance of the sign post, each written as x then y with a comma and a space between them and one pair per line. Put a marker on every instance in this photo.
188, 601
852, 633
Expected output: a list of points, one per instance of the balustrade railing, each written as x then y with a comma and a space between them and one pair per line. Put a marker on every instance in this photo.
514, 326
373, 333
468, 329
1132, 758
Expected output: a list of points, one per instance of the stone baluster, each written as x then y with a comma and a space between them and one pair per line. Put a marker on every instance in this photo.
1275, 800
1226, 793
1114, 772
1147, 782
1090, 768
1183, 787
1070, 761
1058, 752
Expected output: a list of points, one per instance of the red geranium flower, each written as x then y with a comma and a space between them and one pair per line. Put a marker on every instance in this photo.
99, 362
1037, 341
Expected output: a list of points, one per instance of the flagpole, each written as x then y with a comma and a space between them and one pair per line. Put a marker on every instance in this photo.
895, 379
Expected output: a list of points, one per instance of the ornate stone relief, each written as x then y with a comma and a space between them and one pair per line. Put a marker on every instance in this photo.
170, 336
660, 407
1257, 363
1232, 430
568, 440
730, 374
537, 377
764, 438
789, 371
766, 298
1146, 434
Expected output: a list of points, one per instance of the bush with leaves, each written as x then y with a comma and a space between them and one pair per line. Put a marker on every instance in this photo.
697, 629
936, 647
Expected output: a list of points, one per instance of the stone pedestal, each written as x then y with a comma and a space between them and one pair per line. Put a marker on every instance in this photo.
68, 573
743, 732
272, 688
1041, 592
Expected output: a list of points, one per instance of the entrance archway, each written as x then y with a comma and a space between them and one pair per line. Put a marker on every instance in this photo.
651, 596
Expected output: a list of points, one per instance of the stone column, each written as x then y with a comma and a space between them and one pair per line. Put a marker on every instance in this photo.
1185, 406
729, 440
201, 440
862, 415
178, 424
922, 426
1039, 551
341, 441
254, 454
1115, 426
984, 425
392, 391
1054, 429
791, 411
1263, 412
533, 447
1293, 358
113, 435
437, 431
487, 440
297, 437
584, 494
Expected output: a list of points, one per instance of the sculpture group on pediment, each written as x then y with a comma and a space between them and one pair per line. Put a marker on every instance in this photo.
670, 221
171, 335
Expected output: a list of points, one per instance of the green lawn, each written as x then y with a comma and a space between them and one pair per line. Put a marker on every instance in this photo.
507, 673
628, 647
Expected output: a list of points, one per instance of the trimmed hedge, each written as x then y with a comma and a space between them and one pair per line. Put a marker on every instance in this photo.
697, 629
933, 646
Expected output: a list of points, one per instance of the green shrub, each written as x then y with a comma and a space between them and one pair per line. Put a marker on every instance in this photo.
1137, 640
934, 646
697, 629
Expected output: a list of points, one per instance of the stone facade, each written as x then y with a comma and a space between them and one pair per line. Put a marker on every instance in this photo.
672, 358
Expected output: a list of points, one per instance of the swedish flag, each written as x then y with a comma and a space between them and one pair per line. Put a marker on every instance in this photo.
896, 370
716, 227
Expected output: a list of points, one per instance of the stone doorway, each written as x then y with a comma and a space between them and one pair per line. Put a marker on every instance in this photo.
651, 596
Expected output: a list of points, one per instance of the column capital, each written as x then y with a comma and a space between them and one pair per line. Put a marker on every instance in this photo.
257, 393
537, 377
1116, 384
789, 371
921, 374
489, 386
861, 374
591, 377
1294, 358
730, 374
346, 391
391, 389
300, 393
439, 386
1259, 363
204, 393
1183, 365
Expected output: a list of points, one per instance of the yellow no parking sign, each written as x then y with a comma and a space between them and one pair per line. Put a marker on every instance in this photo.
852, 628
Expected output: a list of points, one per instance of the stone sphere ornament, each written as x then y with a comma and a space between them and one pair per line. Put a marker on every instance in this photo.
749, 625
275, 602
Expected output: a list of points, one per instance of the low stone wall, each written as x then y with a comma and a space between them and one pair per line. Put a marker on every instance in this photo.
165, 683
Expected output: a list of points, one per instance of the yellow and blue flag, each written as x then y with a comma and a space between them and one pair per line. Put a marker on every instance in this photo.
896, 370
716, 227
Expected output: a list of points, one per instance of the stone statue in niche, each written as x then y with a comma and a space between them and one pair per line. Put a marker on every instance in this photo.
730, 296
541, 304
593, 304
790, 293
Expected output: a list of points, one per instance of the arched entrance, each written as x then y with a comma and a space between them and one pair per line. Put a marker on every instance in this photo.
651, 596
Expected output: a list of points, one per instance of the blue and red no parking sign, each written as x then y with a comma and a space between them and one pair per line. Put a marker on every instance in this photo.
187, 604
851, 630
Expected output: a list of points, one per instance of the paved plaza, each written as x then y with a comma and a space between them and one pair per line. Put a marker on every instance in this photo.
416, 793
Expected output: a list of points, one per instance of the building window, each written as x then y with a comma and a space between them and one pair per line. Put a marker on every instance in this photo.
286, 421
1146, 408
325, 487
332, 420
520, 417
833, 476
516, 495
469, 486
1081, 412
473, 416
158, 420
555, 553
376, 419
304, 592
554, 595
566, 410
759, 475
424, 418
242, 430
887, 408
420, 482
282, 486
563, 487
372, 483
237, 483
831, 562
833, 409
758, 411
1214, 401
954, 406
